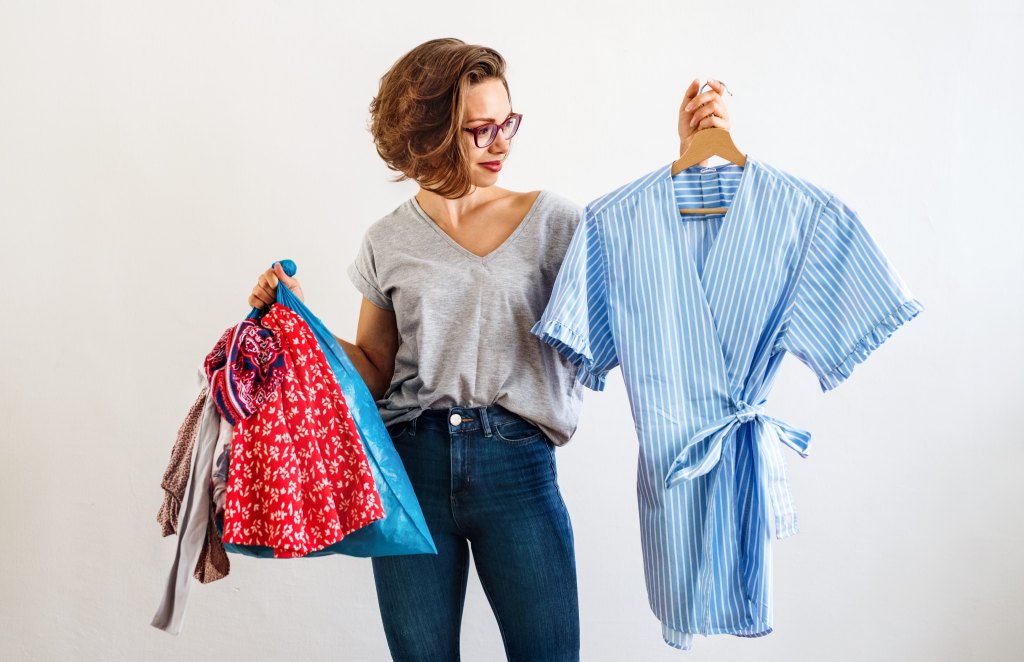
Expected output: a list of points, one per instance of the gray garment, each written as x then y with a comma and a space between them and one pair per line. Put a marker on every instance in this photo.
464, 320
219, 477
195, 515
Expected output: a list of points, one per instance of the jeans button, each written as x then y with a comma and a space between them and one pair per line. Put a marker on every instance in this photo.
455, 419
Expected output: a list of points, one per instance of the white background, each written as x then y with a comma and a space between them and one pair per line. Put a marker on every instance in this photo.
156, 157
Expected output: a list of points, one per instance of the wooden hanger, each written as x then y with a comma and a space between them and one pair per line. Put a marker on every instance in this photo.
706, 143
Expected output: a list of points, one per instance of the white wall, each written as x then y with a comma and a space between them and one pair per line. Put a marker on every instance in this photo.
156, 157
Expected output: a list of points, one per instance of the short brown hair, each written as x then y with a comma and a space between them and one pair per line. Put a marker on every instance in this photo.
417, 115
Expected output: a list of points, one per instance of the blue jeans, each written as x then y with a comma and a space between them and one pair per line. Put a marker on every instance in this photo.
485, 478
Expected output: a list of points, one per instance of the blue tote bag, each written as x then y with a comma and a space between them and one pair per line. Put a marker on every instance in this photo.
403, 529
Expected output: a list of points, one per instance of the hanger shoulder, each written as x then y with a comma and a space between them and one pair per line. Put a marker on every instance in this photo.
707, 143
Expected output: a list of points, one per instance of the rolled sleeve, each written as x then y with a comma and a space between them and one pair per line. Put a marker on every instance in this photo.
363, 274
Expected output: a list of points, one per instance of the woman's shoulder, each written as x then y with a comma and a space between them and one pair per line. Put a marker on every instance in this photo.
557, 207
395, 222
556, 219
559, 215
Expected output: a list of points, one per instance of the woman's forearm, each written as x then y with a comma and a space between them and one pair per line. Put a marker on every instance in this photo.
375, 378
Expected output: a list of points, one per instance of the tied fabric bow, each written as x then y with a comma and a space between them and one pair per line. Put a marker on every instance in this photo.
703, 452
690, 463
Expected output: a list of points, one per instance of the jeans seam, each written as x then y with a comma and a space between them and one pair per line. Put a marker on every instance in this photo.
469, 461
462, 601
495, 611
453, 494
558, 491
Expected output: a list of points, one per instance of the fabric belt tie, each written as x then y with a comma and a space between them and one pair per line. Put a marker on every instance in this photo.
768, 432
702, 454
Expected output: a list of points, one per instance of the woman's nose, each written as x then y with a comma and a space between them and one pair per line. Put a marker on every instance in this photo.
500, 144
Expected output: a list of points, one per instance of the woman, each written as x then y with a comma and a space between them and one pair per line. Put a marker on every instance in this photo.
453, 280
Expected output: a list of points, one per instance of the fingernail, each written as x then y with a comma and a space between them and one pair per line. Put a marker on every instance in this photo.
688, 106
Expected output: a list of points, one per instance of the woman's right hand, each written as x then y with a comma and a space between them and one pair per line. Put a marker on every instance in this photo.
700, 111
265, 292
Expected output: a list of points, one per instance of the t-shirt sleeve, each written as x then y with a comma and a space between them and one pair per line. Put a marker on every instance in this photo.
576, 319
848, 299
363, 274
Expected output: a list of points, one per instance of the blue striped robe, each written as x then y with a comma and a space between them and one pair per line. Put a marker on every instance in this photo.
699, 312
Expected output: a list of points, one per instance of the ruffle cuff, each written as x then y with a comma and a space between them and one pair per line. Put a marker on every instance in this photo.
870, 341
573, 346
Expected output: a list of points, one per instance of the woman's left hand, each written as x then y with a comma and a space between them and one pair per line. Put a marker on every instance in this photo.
701, 111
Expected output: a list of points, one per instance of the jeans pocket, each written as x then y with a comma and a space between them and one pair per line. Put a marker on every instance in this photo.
518, 432
399, 430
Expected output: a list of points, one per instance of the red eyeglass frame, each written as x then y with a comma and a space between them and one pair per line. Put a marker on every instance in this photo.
498, 127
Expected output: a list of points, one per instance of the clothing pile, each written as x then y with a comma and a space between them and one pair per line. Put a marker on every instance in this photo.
283, 454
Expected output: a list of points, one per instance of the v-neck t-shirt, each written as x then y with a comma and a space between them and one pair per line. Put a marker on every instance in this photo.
464, 320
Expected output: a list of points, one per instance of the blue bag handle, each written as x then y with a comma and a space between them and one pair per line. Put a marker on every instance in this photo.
289, 270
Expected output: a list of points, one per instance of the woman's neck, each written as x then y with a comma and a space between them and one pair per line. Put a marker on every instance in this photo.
452, 210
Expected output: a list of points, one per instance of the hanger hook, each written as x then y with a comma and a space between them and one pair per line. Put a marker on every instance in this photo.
721, 82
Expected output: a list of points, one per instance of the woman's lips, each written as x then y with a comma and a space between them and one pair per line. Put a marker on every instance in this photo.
493, 166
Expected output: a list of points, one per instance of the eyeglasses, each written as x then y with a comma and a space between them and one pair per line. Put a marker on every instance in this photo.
485, 134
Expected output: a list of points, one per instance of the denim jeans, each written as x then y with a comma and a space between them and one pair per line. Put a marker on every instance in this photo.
486, 480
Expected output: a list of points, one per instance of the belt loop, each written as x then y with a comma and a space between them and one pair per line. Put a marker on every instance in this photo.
485, 421
412, 426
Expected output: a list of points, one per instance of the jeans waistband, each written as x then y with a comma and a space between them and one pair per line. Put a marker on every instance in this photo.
465, 419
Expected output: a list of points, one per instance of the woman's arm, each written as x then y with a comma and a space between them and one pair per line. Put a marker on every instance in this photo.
373, 353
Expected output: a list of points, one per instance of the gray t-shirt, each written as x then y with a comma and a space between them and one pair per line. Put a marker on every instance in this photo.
464, 321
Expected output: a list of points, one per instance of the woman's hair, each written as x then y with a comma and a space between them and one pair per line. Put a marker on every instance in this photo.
416, 118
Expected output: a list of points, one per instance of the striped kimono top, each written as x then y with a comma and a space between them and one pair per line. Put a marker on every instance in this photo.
699, 312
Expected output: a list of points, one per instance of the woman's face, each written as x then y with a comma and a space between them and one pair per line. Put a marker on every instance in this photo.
487, 102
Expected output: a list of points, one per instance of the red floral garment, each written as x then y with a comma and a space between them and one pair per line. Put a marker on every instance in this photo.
298, 479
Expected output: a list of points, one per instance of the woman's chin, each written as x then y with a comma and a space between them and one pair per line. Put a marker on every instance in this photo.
485, 180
